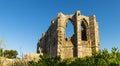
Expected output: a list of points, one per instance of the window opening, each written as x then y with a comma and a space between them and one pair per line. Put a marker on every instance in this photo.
69, 29
83, 31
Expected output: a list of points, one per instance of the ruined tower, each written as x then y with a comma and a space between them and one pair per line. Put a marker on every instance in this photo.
82, 43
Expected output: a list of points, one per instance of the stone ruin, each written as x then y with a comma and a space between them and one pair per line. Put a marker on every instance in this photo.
82, 43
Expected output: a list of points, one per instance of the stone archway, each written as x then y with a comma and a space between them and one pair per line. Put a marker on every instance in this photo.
69, 30
84, 30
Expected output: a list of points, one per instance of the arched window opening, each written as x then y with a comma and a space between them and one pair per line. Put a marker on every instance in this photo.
69, 29
83, 31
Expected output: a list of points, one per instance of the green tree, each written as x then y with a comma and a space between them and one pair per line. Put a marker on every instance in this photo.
114, 56
1, 49
105, 55
10, 53
1, 52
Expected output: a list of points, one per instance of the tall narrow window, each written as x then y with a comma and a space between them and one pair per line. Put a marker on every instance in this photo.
83, 31
69, 29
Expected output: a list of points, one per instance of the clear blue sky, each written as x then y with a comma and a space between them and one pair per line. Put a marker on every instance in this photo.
22, 22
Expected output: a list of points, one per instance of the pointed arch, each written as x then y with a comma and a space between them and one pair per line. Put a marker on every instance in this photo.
69, 29
83, 28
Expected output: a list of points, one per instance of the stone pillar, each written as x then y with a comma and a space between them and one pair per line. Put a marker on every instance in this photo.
78, 34
60, 33
94, 33
97, 42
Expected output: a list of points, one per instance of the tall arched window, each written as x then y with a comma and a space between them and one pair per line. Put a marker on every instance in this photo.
83, 31
69, 29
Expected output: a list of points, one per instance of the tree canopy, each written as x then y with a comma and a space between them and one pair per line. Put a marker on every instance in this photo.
10, 53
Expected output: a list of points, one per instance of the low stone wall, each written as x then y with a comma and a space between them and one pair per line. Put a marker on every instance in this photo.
23, 61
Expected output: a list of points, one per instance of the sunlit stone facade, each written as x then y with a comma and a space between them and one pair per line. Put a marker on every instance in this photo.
82, 43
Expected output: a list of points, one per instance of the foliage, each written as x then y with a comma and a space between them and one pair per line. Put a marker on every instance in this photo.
46, 61
102, 58
10, 53
1, 52
1, 49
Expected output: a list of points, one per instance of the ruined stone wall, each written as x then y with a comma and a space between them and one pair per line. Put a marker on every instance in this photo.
48, 43
94, 33
84, 40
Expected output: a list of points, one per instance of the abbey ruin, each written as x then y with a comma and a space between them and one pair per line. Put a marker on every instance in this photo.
82, 43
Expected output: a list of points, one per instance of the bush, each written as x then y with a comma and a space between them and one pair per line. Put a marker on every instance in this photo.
102, 58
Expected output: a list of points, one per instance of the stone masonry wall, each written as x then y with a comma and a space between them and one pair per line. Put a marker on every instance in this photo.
82, 43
